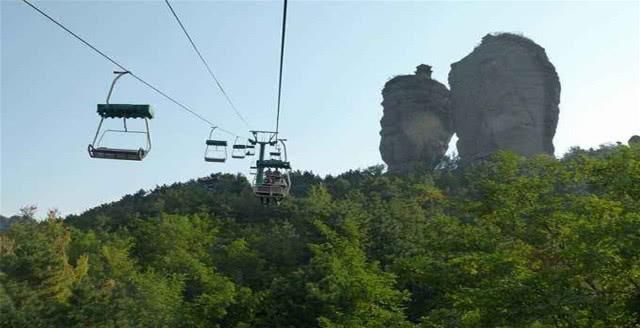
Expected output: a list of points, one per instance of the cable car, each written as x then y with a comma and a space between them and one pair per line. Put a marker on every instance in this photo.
215, 150
238, 151
251, 150
275, 155
276, 181
272, 182
121, 111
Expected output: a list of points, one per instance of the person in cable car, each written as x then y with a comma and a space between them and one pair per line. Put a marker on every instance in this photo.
269, 177
277, 178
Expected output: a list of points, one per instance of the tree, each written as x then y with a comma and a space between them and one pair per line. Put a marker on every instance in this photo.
351, 291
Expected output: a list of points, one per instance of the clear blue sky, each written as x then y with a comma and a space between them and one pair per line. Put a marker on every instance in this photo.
339, 55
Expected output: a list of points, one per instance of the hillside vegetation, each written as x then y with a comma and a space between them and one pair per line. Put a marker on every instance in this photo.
511, 242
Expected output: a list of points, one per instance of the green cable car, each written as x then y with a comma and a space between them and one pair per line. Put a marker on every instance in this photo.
272, 176
121, 111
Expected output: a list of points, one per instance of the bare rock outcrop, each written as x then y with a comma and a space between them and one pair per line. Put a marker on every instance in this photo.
504, 96
416, 127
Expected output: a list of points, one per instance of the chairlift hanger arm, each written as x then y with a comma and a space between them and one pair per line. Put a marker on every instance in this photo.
119, 74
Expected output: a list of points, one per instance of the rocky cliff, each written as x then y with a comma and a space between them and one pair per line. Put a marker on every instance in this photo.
416, 127
504, 96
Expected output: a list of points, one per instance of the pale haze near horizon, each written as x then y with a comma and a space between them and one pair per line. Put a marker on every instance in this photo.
338, 57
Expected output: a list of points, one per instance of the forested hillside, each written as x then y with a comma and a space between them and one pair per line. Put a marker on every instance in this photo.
511, 242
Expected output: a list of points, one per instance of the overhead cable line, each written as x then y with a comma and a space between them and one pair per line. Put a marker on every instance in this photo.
125, 69
284, 29
213, 76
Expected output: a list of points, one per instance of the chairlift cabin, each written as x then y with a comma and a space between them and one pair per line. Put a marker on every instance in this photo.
121, 111
275, 155
272, 182
238, 151
276, 181
215, 150
251, 150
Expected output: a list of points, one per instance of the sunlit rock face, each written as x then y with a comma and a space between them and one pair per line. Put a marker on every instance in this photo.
416, 126
504, 96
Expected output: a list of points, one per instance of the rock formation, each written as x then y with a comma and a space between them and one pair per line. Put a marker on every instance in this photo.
504, 96
634, 140
416, 125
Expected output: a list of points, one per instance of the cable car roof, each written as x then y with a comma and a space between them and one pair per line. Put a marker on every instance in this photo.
125, 111
273, 163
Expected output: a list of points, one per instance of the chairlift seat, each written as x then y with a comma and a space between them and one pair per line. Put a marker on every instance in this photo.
267, 190
239, 146
215, 159
275, 153
116, 153
125, 111
222, 143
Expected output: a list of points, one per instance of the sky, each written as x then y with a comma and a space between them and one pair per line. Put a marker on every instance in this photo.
338, 57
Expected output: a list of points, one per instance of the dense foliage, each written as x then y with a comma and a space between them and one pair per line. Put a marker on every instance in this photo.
511, 242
